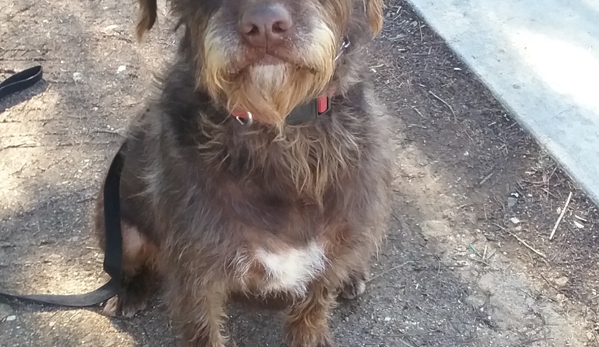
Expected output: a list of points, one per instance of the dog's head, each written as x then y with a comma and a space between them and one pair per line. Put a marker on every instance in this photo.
266, 56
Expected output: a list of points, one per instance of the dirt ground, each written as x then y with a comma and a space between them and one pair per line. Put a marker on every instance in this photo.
468, 261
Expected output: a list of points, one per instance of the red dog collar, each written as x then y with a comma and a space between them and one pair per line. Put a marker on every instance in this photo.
301, 114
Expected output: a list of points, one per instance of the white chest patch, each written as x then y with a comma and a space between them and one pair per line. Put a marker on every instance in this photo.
292, 269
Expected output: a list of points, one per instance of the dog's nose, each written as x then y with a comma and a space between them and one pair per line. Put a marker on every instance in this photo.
266, 25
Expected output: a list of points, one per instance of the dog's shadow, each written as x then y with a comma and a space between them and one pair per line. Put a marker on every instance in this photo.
246, 326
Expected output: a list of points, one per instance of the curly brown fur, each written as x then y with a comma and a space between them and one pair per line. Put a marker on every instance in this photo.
267, 211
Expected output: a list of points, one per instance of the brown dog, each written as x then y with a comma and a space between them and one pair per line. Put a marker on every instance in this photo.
222, 194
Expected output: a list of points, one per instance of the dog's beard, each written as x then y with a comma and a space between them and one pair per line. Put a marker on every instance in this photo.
268, 78
269, 92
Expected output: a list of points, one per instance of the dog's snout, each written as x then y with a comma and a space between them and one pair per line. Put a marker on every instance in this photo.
266, 25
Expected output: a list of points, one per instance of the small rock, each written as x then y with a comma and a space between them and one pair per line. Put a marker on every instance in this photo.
51, 324
77, 76
11, 318
476, 300
561, 281
110, 27
462, 263
578, 225
5, 311
121, 69
387, 319
511, 201
515, 220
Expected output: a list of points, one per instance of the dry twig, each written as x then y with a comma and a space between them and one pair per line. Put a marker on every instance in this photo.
486, 178
420, 114
455, 118
527, 245
521, 241
561, 216
387, 271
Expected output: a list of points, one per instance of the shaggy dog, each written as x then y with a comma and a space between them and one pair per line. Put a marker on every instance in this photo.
260, 170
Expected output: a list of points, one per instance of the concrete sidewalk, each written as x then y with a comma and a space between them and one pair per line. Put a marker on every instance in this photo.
541, 60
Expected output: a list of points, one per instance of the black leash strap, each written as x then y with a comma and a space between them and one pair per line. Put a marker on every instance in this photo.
113, 256
20, 81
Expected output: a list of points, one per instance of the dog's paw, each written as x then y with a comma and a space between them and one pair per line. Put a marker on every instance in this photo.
124, 306
355, 287
110, 307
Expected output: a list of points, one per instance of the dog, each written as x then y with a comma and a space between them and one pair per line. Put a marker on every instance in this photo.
223, 195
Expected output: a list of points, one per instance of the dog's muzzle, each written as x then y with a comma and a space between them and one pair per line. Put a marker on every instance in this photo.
304, 112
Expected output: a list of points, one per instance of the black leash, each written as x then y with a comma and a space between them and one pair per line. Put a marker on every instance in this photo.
113, 256
21, 81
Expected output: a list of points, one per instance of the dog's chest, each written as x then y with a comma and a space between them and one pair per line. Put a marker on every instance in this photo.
288, 270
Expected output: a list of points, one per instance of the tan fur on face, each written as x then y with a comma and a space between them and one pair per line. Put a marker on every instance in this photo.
374, 11
270, 101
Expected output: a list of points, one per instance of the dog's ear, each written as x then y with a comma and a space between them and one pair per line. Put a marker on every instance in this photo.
374, 12
147, 17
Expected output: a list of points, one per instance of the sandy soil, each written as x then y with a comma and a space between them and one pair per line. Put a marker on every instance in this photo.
468, 261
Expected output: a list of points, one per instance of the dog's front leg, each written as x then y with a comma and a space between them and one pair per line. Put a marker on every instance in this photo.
307, 320
198, 314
